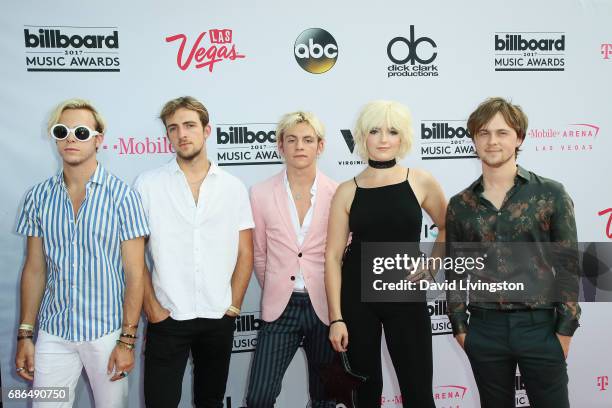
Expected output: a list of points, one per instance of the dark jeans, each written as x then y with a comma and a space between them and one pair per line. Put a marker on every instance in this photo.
166, 352
277, 343
496, 342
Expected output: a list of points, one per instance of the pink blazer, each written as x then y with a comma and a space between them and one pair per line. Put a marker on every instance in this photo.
277, 254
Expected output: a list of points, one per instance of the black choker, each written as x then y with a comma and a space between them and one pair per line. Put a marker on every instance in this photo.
381, 164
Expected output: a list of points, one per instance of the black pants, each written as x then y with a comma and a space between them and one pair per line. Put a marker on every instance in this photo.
277, 343
497, 341
408, 334
167, 350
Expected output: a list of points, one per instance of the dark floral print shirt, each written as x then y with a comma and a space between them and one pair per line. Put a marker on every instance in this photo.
531, 239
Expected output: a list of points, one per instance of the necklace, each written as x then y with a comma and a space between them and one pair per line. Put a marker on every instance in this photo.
381, 164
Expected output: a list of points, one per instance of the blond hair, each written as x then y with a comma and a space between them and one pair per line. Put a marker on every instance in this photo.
289, 120
378, 113
76, 103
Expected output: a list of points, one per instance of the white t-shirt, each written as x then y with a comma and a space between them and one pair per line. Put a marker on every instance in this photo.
194, 248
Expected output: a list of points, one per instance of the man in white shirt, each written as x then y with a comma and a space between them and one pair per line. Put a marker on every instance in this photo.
202, 252
290, 211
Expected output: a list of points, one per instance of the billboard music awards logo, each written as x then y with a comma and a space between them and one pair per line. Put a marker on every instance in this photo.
529, 51
429, 232
315, 50
209, 48
244, 144
440, 324
349, 140
520, 392
445, 139
575, 137
71, 49
412, 57
245, 333
606, 51
449, 396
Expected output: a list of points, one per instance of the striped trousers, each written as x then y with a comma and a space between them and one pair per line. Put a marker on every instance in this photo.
277, 343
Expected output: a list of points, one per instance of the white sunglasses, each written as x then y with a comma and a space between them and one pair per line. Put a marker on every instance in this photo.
81, 132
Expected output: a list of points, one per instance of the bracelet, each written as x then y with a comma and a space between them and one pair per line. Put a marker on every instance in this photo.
126, 345
24, 332
25, 326
21, 337
234, 309
131, 326
336, 321
128, 335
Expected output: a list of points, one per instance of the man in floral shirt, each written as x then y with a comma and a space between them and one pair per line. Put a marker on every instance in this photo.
525, 225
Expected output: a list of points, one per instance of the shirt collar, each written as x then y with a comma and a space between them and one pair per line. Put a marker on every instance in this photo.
313, 189
97, 178
174, 168
522, 176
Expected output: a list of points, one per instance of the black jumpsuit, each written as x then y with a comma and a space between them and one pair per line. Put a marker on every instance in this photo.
386, 214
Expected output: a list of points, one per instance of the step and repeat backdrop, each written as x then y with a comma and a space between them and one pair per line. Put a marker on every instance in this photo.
251, 63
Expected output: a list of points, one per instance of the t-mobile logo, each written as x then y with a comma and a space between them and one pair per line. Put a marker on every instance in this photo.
602, 382
609, 225
606, 50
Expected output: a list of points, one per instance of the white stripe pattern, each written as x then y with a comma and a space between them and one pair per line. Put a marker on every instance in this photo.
83, 297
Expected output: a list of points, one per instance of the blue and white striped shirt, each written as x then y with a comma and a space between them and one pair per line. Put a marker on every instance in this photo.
83, 297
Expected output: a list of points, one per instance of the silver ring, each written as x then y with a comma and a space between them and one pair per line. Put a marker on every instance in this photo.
123, 374
18, 369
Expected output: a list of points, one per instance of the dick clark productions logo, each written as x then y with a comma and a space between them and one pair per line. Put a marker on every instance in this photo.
412, 57
316, 50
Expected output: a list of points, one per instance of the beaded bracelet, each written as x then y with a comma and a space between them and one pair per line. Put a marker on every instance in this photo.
126, 345
27, 336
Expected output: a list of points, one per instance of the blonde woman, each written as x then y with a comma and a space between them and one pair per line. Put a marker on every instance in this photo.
381, 204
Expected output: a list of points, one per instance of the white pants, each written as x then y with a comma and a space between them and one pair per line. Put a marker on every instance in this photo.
59, 363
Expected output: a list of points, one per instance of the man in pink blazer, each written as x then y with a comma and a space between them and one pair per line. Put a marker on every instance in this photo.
290, 211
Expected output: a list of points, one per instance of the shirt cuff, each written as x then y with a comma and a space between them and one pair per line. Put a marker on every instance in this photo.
459, 322
566, 326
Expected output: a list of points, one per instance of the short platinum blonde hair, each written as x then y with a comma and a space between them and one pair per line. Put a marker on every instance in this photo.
378, 113
76, 103
289, 120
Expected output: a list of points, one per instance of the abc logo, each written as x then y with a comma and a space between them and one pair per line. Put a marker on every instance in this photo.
316, 50
402, 57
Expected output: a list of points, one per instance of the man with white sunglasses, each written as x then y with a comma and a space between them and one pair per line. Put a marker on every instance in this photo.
83, 274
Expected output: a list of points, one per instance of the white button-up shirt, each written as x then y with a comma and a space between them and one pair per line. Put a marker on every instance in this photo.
300, 230
194, 248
